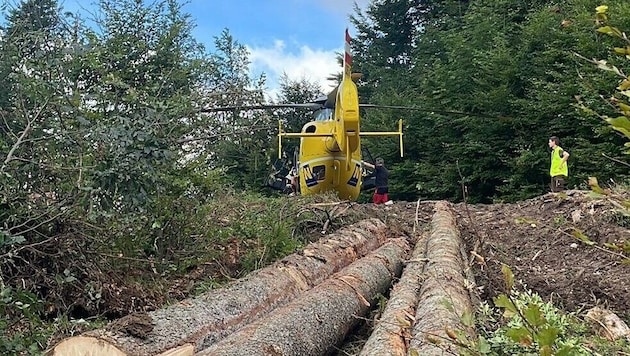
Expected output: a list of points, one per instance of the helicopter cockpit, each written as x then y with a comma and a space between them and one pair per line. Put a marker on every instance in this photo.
323, 114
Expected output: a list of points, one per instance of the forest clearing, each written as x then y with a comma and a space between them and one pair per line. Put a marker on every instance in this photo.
136, 215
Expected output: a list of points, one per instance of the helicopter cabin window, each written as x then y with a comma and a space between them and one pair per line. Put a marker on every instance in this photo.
319, 172
323, 114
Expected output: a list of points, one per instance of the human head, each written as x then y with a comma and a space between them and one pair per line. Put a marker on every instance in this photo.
554, 141
379, 161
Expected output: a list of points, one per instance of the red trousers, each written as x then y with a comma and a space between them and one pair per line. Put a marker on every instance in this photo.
379, 198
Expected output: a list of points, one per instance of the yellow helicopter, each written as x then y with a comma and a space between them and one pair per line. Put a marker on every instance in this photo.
330, 157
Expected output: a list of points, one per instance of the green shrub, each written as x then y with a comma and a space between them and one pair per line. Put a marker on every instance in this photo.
522, 323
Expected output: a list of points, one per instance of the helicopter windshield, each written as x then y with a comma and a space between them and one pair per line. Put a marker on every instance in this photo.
323, 114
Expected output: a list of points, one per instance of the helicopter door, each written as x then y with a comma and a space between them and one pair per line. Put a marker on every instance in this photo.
369, 177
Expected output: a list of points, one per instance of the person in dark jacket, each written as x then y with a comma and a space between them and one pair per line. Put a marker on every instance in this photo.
381, 174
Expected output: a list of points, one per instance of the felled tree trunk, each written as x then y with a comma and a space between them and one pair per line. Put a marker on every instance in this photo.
392, 332
444, 298
314, 323
196, 323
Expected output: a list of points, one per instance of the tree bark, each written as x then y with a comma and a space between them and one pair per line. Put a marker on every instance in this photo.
392, 332
444, 297
314, 323
196, 323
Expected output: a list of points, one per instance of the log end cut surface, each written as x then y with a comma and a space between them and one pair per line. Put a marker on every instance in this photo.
92, 346
86, 346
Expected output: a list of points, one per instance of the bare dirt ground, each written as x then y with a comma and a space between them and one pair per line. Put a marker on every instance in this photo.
537, 239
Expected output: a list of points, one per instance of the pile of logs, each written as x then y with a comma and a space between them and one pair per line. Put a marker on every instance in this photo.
307, 303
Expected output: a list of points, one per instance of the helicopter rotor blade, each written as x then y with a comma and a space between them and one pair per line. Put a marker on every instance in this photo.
329, 102
445, 112
331, 98
311, 106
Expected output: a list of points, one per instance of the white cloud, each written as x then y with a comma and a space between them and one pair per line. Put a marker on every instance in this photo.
303, 61
314, 65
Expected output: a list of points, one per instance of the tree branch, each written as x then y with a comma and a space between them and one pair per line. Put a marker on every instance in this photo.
42, 165
36, 226
616, 160
22, 137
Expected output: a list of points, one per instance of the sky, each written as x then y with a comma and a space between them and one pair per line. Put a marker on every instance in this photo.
298, 37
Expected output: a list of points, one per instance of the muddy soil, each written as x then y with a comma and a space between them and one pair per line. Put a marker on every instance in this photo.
537, 238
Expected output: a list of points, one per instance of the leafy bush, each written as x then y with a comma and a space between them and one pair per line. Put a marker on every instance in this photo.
532, 326
522, 323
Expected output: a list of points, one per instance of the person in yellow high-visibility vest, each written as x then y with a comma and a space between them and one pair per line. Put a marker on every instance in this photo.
559, 170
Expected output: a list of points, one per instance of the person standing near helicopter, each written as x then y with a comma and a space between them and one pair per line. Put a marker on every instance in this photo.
558, 170
381, 175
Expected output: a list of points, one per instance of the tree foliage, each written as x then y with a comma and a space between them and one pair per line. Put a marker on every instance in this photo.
619, 100
509, 65
93, 155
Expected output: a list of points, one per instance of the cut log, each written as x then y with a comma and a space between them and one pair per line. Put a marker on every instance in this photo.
196, 323
317, 321
392, 332
444, 298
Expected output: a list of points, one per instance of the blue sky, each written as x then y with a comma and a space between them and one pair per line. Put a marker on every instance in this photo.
296, 37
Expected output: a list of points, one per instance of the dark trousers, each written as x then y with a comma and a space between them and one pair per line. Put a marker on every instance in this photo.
557, 183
